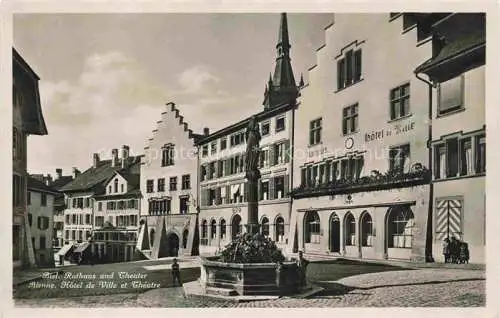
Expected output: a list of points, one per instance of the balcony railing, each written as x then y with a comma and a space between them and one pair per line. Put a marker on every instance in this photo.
375, 182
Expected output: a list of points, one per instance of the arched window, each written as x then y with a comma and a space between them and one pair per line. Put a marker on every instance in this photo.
222, 229
366, 230
350, 229
204, 234
265, 226
280, 229
312, 227
213, 229
185, 236
116, 185
236, 226
400, 225
152, 238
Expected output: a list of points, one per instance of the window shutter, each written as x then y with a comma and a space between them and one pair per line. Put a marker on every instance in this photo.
39, 222
357, 65
340, 73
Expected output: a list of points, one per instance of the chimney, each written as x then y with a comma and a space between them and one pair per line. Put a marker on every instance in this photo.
125, 155
76, 172
114, 157
206, 131
59, 173
48, 180
95, 161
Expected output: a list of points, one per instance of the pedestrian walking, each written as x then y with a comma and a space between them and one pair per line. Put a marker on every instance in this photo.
176, 273
454, 249
446, 250
464, 253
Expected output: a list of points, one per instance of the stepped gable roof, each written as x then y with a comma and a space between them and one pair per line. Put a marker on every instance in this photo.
93, 177
181, 121
39, 186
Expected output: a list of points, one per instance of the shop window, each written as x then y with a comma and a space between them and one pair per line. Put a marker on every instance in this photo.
350, 230
213, 229
204, 233
400, 227
366, 230
222, 229
236, 227
265, 226
312, 227
280, 229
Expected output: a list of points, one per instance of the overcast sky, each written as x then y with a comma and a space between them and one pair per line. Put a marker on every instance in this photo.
105, 78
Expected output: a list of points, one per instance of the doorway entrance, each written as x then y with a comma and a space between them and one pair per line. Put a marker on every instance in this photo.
335, 233
172, 245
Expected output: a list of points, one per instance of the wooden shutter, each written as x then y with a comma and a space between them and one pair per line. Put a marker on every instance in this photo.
216, 168
357, 65
228, 194
340, 73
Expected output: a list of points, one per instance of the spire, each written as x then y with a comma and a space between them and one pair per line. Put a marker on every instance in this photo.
283, 36
282, 87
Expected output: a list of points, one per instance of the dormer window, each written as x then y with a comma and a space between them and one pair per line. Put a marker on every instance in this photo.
167, 155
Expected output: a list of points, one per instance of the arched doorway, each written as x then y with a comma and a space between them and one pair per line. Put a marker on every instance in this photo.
400, 223
279, 236
311, 227
265, 226
172, 245
236, 226
334, 233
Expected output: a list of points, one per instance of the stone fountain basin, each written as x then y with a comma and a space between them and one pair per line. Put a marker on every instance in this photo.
249, 278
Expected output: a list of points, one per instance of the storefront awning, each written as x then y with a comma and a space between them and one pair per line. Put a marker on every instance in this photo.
64, 250
82, 247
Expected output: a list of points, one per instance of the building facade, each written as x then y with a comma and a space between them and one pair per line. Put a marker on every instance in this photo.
40, 200
361, 181
222, 183
456, 69
116, 215
169, 205
27, 119
91, 204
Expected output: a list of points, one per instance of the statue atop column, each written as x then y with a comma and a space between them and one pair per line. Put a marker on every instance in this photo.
252, 173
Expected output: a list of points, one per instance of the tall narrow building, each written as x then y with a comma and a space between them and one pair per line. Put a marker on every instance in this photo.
27, 119
223, 202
